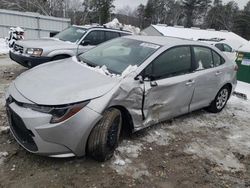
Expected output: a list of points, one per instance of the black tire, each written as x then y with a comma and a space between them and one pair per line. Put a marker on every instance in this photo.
58, 57
104, 137
220, 100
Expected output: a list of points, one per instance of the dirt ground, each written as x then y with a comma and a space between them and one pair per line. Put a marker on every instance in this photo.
199, 149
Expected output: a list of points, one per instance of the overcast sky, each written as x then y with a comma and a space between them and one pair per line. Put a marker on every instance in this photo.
134, 3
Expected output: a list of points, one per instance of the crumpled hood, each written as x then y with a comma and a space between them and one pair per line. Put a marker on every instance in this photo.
63, 82
45, 43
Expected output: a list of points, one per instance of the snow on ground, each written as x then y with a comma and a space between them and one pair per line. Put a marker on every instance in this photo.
125, 162
222, 140
115, 24
243, 87
223, 147
3, 47
3, 155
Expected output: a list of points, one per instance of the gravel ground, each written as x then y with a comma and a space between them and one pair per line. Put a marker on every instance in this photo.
195, 150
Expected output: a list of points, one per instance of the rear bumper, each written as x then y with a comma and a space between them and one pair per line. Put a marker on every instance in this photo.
28, 61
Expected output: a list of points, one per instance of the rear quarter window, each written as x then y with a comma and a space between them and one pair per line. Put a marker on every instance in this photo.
218, 60
203, 57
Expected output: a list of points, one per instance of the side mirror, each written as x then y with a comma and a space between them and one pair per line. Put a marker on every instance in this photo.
85, 43
140, 78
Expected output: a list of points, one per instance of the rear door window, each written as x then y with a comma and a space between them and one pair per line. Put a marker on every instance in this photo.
218, 60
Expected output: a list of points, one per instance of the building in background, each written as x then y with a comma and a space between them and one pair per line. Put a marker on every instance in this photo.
34, 24
230, 38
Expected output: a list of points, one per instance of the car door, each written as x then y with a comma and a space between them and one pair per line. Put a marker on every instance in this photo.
209, 76
168, 86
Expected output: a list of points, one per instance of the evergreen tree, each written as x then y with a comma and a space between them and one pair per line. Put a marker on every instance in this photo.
102, 8
193, 10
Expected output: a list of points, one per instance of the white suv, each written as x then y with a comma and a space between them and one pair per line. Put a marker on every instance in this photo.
67, 43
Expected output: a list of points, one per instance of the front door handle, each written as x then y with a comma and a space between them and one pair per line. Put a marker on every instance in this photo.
190, 82
153, 84
218, 73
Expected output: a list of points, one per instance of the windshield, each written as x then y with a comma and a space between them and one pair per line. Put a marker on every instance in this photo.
118, 54
71, 34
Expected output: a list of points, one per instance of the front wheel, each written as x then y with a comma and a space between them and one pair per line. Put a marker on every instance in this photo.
220, 100
104, 137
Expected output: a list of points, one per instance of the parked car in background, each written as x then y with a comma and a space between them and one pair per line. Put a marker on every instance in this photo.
80, 105
69, 42
222, 46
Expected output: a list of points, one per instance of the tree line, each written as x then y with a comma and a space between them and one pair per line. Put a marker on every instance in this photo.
197, 13
188, 13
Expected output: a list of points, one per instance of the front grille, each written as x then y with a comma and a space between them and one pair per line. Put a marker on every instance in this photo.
18, 48
18, 128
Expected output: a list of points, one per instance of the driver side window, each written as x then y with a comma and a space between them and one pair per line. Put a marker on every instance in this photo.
173, 62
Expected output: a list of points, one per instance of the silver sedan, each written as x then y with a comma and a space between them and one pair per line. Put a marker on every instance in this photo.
81, 105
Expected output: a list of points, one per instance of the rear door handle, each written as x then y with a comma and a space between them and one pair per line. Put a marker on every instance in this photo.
218, 73
190, 82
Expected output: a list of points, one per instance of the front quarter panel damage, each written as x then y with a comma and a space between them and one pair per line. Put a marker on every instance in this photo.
128, 94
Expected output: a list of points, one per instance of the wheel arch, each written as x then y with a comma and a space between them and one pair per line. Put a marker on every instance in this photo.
127, 121
230, 86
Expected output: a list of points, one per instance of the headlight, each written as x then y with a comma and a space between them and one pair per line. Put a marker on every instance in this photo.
37, 52
59, 114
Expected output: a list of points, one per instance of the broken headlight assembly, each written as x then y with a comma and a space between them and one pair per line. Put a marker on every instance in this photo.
59, 113
36, 52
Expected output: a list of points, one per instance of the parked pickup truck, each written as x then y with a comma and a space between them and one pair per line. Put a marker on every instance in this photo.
67, 43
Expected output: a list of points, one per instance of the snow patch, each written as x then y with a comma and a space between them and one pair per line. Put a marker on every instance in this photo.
225, 138
243, 87
4, 129
103, 70
226, 160
124, 161
3, 156
130, 150
115, 24
245, 48
4, 49
128, 70
159, 137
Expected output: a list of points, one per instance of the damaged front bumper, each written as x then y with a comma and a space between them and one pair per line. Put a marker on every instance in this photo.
35, 133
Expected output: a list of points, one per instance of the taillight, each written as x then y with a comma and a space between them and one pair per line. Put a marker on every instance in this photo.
236, 68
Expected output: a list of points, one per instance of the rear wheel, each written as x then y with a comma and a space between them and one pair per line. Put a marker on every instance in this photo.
220, 100
104, 137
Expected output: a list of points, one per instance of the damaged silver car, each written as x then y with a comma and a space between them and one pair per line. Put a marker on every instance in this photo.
81, 105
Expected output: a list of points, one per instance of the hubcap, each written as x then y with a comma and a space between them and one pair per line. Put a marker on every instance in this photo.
222, 99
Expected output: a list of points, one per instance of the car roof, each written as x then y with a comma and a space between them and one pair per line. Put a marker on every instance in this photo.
88, 27
166, 41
